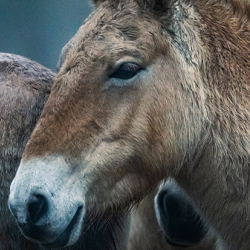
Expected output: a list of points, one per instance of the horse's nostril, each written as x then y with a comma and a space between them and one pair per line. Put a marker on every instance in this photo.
37, 207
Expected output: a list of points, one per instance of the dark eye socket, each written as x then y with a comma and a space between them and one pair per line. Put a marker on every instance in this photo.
126, 71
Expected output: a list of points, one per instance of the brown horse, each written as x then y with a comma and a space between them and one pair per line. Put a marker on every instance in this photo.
24, 88
147, 89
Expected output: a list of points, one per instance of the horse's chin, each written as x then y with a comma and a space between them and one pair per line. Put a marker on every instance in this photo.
71, 234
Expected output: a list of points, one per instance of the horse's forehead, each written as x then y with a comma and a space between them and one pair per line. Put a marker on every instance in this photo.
111, 32
112, 22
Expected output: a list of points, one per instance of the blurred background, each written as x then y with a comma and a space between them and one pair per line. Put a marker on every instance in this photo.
38, 29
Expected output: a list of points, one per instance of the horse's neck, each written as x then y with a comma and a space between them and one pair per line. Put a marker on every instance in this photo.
225, 31
221, 164
221, 193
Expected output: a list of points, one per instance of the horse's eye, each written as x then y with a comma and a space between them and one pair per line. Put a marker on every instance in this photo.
126, 71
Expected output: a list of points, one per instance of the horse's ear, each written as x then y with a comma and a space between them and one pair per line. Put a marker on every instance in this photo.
97, 2
158, 6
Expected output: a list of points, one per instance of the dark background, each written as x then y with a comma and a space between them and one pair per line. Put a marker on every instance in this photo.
38, 29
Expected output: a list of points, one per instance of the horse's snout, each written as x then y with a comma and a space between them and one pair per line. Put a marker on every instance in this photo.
32, 215
39, 219
37, 201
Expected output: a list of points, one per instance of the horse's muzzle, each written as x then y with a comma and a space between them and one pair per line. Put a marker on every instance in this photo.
46, 204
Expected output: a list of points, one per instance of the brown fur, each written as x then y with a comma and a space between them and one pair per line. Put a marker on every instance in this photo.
186, 116
24, 88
